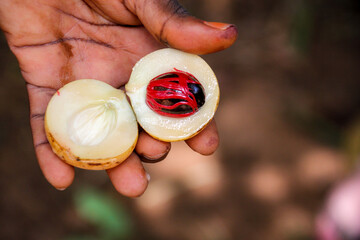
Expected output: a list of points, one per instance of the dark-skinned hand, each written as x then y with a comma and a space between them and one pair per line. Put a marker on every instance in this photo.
57, 42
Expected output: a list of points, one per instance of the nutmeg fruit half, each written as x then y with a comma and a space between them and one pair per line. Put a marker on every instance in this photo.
90, 124
174, 94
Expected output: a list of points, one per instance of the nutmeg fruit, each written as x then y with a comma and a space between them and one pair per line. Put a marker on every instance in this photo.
91, 125
174, 94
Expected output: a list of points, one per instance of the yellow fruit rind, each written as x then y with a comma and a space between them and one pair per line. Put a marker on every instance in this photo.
67, 156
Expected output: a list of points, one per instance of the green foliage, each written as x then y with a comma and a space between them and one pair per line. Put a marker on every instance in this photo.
302, 26
104, 212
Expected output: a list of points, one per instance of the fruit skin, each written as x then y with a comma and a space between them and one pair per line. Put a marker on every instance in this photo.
67, 156
162, 61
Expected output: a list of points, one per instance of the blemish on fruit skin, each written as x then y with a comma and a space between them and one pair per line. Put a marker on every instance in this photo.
94, 164
58, 93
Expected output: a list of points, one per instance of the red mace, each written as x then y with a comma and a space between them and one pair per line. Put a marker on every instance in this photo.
175, 94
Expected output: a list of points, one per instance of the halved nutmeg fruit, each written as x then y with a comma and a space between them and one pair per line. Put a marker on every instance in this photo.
174, 94
91, 125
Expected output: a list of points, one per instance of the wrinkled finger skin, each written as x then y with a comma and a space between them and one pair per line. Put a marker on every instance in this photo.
57, 42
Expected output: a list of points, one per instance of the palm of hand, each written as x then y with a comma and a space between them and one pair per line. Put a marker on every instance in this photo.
70, 40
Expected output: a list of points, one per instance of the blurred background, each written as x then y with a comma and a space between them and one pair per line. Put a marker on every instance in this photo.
289, 122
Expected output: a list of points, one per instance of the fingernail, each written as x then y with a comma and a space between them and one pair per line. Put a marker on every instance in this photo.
61, 189
153, 159
148, 177
218, 25
156, 158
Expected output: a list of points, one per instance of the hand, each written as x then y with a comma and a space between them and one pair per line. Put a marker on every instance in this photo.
57, 42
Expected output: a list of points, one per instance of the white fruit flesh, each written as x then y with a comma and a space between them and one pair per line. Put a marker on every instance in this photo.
163, 61
91, 122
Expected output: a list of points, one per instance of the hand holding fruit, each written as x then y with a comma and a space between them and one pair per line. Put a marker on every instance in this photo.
57, 42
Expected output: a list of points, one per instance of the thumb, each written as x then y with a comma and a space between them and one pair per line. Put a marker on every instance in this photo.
170, 23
